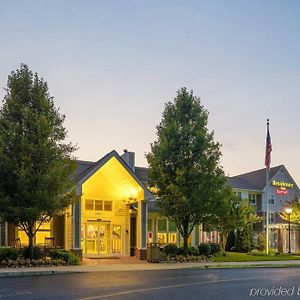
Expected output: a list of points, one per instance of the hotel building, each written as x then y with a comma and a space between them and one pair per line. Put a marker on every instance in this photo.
117, 215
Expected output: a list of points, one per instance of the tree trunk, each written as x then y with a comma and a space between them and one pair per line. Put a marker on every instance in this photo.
30, 241
223, 238
185, 239
185, 246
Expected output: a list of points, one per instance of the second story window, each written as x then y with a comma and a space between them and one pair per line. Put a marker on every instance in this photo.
98, 205
271, 198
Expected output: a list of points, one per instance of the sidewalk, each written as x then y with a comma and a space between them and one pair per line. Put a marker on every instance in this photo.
133, 264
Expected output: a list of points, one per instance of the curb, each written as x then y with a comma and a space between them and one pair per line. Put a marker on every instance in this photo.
250, 266
34, 273
207, 266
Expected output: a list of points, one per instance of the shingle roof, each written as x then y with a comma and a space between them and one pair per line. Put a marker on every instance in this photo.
82, 166
142, 174
152, 206
255, 180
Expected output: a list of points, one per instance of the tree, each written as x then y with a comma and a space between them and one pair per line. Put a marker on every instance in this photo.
184, 164
36, 162
295, 215
232, 213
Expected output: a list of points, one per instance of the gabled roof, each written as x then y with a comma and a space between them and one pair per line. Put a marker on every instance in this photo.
86, 169
255, 180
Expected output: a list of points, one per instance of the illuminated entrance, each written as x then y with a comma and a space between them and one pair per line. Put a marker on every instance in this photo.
101, 238
107, 190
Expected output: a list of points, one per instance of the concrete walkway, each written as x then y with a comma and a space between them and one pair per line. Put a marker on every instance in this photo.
133, 264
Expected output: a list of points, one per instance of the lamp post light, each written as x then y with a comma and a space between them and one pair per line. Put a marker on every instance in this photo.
289, 211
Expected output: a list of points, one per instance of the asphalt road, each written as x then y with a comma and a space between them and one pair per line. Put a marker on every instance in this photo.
184, 284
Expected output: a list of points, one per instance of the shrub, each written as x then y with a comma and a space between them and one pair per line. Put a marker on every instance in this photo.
204, 249
193, 251
261, 241
234, 249
190, 251
272, 252
68, 256
37, 253
244, 239
171, 250
8, 253
256, 252
215, 248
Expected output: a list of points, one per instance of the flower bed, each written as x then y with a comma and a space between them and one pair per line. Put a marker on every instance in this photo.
181, 258
11, 258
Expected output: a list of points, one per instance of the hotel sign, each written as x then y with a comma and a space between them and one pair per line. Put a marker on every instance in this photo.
282, 187
282, 184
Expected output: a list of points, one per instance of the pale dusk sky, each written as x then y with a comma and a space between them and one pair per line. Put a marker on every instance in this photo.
111, 66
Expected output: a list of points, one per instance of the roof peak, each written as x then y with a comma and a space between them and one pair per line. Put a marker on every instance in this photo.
258, 170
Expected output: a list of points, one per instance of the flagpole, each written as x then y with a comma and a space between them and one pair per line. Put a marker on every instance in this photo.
267, 202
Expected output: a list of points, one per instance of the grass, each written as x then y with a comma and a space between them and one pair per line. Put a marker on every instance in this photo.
239, 257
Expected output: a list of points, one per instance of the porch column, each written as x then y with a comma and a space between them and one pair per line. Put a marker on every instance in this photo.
154, 230
143, 218
76, 227
142, 224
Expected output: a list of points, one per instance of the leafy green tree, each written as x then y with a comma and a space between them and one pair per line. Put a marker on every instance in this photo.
36, 162
184, 164
295, 215
232, 213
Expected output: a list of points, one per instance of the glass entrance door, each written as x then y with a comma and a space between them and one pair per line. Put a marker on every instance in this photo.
97, 238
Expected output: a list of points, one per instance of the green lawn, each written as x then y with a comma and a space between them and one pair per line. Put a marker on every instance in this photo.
235, 256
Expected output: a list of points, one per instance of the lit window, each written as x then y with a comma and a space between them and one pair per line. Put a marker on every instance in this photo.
172, 238
108, 205
89, 204
162, 238
98, 205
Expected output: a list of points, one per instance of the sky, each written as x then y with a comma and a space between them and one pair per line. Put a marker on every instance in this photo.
112, 65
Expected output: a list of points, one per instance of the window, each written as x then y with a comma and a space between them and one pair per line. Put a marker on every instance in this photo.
149, 224
252, 198
238, 194
108, 205
271, 217
89, 204
271, 198
98, 205
162, 224
172, 226
167, 231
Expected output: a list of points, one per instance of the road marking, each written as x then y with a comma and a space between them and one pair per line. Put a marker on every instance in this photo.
168, 287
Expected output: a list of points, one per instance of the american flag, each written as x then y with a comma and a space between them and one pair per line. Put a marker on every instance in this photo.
268, 149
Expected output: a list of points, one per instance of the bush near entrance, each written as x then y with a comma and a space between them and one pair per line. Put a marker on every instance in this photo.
201, 253
8, 253
11, 257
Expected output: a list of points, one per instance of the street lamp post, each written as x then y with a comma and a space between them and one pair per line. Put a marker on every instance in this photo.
289, 211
